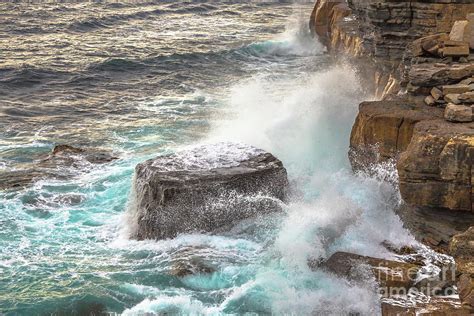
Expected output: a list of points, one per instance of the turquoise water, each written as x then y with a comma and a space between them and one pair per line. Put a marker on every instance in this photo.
137, 83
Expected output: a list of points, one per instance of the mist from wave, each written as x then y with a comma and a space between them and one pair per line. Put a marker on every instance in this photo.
305, 120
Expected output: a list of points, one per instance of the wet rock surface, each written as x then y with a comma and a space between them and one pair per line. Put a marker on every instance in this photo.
383, 129
387, 273
63, 162
401, 284
435, 306
206, 188
434, 226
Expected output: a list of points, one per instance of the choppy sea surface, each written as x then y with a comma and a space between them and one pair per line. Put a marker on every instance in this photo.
139, 80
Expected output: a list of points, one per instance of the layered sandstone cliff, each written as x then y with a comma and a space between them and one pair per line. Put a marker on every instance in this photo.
376, 33
418, 59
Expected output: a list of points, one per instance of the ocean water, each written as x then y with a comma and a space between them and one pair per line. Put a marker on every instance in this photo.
139, 80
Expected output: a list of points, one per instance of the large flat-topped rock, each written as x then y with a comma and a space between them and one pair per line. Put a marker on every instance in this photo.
206, 188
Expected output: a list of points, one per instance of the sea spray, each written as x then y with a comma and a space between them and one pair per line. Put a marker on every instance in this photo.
308, 127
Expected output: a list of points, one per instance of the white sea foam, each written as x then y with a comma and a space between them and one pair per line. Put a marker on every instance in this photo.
170, 305
304, 120
208, 156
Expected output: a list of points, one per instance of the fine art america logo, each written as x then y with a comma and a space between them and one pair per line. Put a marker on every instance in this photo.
398, 281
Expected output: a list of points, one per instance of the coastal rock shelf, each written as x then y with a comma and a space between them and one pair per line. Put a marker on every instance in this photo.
417, 57
206, 188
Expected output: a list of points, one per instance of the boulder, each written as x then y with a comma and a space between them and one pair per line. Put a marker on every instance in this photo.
467, 97
429, 44
435, 169
457, 112
455, 49
436, 93
456, 88
205, 188
460, 31
429, 100
191, 260
452, 98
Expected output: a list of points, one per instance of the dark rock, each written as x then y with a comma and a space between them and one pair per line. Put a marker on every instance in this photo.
206, 188
64, 149
191, 267
69, 154
403, 250
63, 162
434, 226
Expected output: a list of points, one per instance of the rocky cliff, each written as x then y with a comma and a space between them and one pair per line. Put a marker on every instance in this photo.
417, 57
377, 33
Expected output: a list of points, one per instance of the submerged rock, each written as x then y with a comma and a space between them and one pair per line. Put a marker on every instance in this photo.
205, 188
69, 155
63, 162
191, 260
